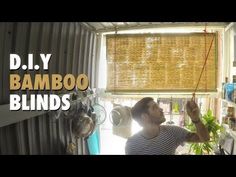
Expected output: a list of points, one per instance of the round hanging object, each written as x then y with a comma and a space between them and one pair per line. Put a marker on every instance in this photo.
115, 117
100, 113
120, 115
82, 126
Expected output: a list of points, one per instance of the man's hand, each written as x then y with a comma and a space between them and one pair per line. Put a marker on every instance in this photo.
193, 110
202, 134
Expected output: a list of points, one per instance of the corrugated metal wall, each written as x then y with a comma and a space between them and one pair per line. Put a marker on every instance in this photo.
74, 50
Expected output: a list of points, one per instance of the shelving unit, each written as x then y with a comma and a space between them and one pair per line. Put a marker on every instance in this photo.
230, 103
230, 131
224, 105
226, 127
232, 134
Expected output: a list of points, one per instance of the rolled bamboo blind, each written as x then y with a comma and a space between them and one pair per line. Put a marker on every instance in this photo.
160, 62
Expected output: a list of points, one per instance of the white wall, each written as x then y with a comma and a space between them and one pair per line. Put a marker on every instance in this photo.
229, 52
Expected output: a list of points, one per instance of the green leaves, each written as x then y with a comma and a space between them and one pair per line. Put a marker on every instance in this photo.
214, 129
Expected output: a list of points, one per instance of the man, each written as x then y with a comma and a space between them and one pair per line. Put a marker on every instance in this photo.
157, 139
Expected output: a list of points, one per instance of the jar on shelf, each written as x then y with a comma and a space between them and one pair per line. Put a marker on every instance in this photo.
230, 112
225, 120
234, 95
234, 78
232, 123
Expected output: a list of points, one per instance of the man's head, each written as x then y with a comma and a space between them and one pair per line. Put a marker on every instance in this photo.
147, 111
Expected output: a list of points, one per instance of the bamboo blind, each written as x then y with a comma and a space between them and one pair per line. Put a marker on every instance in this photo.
161, 62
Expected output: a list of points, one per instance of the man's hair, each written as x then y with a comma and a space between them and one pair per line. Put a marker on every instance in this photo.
140, 107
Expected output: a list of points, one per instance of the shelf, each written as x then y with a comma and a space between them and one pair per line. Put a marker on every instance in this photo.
230, 103
230, 131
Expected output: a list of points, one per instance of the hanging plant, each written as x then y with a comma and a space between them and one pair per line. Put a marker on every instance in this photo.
175, 107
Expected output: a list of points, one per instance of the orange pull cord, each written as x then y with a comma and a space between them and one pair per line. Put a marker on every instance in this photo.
115, 61
193, 97
205, 32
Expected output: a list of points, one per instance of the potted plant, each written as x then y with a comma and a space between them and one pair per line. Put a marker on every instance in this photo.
214, 129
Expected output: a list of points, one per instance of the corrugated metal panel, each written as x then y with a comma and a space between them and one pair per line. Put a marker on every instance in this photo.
93, 64
85, 57
6, 49
97, 52
111, 26
73, 49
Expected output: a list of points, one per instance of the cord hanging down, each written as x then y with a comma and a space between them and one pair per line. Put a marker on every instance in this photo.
193, 97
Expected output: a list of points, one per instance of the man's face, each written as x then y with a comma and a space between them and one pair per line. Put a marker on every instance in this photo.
155, 113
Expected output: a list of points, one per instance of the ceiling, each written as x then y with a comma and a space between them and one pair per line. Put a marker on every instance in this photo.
112, 26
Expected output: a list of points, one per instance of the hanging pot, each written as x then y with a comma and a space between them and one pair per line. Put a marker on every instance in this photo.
120, 115
100, 112
82, 126
121, 119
